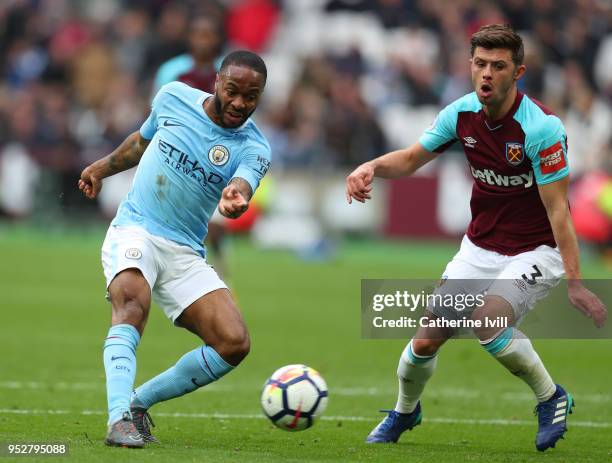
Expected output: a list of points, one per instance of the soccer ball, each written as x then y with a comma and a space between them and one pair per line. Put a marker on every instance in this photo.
293, 397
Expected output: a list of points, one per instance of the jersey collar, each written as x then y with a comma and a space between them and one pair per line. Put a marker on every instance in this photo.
493, 125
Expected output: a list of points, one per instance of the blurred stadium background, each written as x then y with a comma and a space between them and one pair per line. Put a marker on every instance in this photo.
348, 80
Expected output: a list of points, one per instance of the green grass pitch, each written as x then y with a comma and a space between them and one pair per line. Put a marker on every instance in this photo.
52, 379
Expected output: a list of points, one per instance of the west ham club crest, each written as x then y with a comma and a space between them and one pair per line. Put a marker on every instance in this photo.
515, 153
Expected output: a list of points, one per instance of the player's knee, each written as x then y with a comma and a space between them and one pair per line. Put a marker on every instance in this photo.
130, 310
130, 298
480, 330
235, 346
425, 347
483, 329
496, 313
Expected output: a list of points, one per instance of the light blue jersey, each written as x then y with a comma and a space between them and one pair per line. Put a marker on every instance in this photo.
188, 162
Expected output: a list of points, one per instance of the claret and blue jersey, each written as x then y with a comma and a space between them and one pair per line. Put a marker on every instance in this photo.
508, 159
188, 162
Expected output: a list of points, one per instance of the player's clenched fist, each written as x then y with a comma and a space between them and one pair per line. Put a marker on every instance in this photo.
359, 183
232, 203
89, 184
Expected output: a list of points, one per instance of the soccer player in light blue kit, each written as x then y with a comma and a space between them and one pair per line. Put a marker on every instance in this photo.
196, 152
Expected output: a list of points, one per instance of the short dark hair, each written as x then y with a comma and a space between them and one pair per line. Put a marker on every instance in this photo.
499, 36
245, 58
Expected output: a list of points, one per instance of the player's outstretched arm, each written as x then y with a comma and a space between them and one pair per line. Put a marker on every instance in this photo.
126, 156
235, 198
554, 198
395, 164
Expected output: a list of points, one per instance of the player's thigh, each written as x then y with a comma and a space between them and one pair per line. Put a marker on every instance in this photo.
185, 279
527, 278
469, 274
215, 318
130, 270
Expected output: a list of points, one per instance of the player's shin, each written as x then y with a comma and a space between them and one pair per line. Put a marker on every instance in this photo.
413, 372
120, 366
514, 351
193, 370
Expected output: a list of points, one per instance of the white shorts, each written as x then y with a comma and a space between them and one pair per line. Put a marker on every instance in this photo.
522, 280
177, 275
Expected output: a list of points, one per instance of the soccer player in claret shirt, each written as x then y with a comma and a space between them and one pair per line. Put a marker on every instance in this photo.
521, 229
196, 152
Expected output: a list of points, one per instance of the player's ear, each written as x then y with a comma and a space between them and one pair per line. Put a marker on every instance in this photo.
520, 70
216, 82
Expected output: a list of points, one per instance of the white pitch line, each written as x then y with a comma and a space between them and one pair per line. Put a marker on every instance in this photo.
257, 416
448, 392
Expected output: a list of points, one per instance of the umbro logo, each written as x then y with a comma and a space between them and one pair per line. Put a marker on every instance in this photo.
469, 142
170, 124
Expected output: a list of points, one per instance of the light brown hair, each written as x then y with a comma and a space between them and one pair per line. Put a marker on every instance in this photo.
499, 36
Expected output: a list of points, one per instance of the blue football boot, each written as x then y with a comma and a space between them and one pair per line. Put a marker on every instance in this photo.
393, 425
552, 417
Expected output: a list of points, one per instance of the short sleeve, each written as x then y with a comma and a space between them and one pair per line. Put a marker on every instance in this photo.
253, 167
442, 133
547, 150
149, 127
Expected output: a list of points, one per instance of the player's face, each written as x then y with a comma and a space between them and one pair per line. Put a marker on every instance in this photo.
494, 75
237, 93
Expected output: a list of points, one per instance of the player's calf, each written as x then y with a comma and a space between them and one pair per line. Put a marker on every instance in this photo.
413, 371
513, 350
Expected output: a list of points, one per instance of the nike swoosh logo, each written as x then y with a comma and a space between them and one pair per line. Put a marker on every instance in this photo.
117, 358
193, 380
170, 124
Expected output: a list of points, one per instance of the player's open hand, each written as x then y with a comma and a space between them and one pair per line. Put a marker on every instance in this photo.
587, 302
89, 183
232, 203
359, 183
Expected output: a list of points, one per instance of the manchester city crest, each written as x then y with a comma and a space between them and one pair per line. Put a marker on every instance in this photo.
515, 153
218, 155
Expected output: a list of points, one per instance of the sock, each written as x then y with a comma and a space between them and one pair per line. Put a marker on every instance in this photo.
120, 366
195, 369
413, 372
514, 351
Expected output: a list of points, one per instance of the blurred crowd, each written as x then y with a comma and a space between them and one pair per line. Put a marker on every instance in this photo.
349, 79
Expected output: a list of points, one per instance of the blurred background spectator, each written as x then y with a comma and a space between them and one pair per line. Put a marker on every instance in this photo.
348, 80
